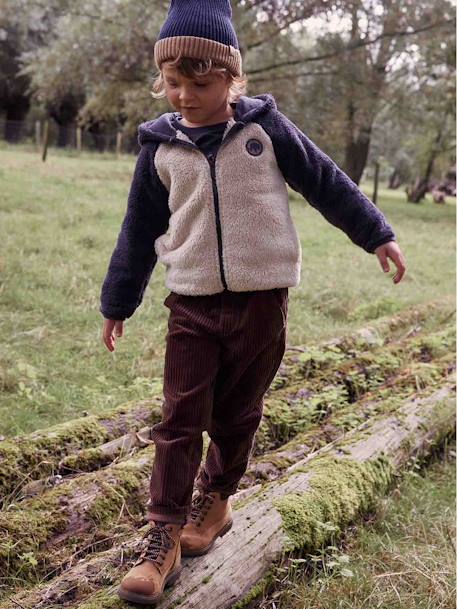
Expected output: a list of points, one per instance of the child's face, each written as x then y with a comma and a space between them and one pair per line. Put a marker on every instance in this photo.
202, 101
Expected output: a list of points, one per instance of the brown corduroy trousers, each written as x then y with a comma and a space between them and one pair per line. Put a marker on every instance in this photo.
222, 353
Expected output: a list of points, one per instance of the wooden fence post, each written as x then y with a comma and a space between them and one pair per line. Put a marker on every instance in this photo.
45, 141
37, 134
79, 144
118, 144
376, 181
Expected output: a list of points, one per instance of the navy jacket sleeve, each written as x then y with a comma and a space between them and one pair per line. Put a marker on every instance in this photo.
325, 186
134, 257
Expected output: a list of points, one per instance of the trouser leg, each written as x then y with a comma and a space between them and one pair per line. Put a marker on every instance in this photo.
250, 358
191, 365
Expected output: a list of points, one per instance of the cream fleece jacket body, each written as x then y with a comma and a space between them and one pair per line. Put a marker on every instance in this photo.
224, 222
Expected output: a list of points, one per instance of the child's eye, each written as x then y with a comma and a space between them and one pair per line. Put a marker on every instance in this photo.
200, 84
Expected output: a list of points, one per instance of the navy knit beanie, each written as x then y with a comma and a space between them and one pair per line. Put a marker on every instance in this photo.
200, 29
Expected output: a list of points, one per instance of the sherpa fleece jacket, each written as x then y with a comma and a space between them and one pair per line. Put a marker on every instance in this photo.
223, 222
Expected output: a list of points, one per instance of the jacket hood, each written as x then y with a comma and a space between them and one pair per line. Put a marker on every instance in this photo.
246, 110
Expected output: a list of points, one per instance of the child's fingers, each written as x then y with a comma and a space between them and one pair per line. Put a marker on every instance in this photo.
382, 256
108, 337
399, 262
118, 328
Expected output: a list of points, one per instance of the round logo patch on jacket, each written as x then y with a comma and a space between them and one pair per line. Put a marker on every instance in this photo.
254, 147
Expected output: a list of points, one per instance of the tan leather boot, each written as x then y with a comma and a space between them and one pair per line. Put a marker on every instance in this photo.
159, 565
210, 518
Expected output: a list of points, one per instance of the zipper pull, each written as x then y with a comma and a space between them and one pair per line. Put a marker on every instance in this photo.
210, 158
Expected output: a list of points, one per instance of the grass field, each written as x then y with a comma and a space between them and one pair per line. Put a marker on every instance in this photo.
59, 222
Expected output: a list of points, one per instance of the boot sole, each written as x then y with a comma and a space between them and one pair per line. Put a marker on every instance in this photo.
145, 600
225, 529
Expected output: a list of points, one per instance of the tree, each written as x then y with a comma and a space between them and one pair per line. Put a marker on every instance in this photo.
361, 62
23, 27
101, 55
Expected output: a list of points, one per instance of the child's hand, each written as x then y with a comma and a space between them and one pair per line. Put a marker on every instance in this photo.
391, 250
108, 336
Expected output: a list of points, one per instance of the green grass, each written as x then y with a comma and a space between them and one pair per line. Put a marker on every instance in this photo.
59, 222
401, 557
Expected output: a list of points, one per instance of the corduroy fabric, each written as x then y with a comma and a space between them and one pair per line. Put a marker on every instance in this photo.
198, 48
222, 353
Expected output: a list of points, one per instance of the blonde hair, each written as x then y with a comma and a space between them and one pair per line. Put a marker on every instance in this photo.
196, 68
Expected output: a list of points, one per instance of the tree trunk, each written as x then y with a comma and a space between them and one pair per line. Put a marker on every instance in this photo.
31, 457
417, 192
356, 154
64, 113
395, 180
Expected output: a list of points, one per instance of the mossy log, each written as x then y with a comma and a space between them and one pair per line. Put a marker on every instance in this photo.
272, 464
73, 518
320, 383
51, 453
99, 509
316, 498
313, 502
334, 378
288, 410
90, 459
33, 456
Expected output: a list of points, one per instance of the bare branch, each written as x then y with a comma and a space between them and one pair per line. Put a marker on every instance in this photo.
292, 76
353, 46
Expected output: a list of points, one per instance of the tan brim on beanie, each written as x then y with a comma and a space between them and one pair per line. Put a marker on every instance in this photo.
198, 48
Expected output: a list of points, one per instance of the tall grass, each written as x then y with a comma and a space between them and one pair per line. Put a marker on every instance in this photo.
59, 222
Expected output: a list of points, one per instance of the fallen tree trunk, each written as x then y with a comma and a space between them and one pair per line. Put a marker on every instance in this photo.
30, 457
323, 491
326, 381
338, 378
320, 494
97, 509
24, 459
272, 465
357, 375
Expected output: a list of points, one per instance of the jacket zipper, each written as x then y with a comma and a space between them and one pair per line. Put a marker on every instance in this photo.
211, 158
212, 164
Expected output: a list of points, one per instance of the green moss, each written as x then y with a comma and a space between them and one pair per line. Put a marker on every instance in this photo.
38, 455
28, 528
322, 381
124, 489
316, 357
436, 345
106, 599
86, 460
22, 533
34, 456
340, 488
279, 461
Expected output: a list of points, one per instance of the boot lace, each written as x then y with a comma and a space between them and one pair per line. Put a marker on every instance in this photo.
158, 541
200, 506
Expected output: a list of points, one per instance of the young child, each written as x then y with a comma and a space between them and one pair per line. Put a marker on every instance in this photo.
209, 200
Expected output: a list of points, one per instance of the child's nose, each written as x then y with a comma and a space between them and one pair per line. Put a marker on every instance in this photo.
185, 95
